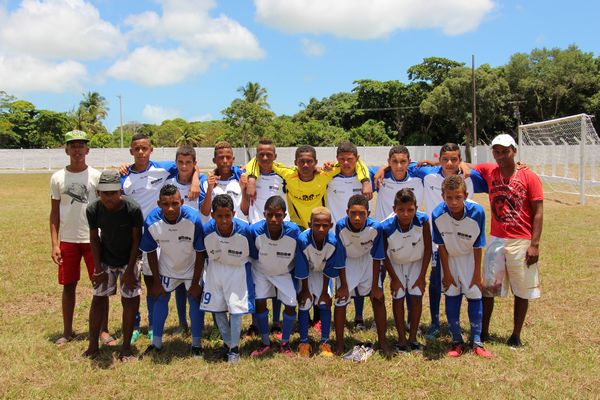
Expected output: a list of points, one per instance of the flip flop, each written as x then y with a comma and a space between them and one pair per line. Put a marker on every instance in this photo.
64, 340
109, 341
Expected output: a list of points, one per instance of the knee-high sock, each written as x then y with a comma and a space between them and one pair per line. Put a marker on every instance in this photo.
159, 316
435, 295
303, 318
288, 326
359, 305
276, 310
150, 304
325, 312
263, 326
223, 325
180, 302
197, 320
475, 310
236, 330
453, 315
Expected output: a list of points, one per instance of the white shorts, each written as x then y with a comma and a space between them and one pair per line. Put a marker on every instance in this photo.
462, 269
144, 262
271, 286
359, 277
170, 284
115, 274
408, 274
228, 288
315, 286
504, 266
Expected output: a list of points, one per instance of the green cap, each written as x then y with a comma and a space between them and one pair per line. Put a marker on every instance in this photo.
76, 135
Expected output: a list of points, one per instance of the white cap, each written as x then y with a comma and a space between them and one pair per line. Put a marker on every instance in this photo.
504, 140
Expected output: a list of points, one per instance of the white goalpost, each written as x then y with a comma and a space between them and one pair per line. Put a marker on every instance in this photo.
565, 153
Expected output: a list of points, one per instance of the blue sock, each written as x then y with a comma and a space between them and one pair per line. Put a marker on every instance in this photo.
407, 297
160, 313
435, 295
325, 313
138, 320
196, 321
263, 326
303, 319
453, 315
180, 302
475, 310
224, 328
288, 326
236, 330
201, 318
359, 305
150, 304
276, 311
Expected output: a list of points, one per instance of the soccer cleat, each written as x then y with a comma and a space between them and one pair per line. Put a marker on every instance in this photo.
353, 354
325, 350
481, 352
514, 342
317, 326
364, 352
359, 325
196, 352
416, 347
304, 350
135, 336
150, 335
261, 351
276, 332
151, 351
286, 350
433, 332
456, 350
233, 357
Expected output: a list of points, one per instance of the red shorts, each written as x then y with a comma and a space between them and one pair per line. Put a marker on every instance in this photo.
69, 268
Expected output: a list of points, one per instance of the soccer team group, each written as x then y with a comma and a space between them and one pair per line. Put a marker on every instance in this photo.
304, 236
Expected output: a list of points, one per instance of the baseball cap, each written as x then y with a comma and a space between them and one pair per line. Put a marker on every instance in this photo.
76, 135
504, 140
109, 181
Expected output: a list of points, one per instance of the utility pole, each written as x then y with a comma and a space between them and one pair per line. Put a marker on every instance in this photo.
121, 116
474, 160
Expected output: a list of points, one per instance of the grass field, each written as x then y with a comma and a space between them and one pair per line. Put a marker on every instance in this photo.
561, 358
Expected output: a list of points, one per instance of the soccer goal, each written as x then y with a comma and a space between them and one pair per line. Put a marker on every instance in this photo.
565, 153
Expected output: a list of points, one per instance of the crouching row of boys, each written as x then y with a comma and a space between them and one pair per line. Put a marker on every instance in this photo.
231, 268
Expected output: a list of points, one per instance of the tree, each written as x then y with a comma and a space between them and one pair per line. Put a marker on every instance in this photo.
255, 94
247, 123
433, 70
189, 135
371, 133
93, 108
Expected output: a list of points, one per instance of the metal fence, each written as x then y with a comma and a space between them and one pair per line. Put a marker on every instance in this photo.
40, 160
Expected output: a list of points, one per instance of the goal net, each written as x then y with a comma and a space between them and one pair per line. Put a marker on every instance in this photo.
565, 153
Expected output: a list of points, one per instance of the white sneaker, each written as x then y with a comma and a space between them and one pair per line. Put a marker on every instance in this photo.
352, 354
364, 354
233, 358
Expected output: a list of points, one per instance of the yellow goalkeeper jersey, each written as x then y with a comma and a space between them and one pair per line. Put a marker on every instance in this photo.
303, 196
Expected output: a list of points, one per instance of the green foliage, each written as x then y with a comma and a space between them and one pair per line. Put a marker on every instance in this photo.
320, 133
93, 108
102, 140
433, 70
255, 94
371, 133
247, 122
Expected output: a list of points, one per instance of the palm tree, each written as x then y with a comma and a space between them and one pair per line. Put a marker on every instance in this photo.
189, 136
255, 94
90, 113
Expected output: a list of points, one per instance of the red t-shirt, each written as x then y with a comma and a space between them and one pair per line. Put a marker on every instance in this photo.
510, 200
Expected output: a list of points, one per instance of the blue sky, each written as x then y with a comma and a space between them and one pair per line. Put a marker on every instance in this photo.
186, 58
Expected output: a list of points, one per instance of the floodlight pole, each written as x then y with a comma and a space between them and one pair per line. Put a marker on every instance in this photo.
121, 117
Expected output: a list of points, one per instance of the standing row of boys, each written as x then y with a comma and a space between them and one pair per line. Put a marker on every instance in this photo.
206, 251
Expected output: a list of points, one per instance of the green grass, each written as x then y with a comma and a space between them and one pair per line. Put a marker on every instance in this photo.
561, 358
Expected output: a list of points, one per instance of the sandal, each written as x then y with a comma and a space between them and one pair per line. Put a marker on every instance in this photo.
109, 341
64, 340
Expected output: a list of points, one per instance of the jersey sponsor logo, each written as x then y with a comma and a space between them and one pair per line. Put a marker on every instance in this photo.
154, 182
234, 253
368, 242
232, 193
464, 236
283, 254
356, 190
185, 239
306, 197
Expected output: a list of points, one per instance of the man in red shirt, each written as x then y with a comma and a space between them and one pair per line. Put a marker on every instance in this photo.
516, 203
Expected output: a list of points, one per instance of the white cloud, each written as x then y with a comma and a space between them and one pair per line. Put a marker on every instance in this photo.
369, 19
154, 67
312, 48
58, 30
158, 114
202, 118
21, 74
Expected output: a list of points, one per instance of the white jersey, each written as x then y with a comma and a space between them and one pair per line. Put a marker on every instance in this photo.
178, 242
75, 191
339, 191
432, 182
459, 237
184, 189
274, 256
390, 186
144, 187
267, 185
405, 247
233, 250
311, 259
230, 187
368, 241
